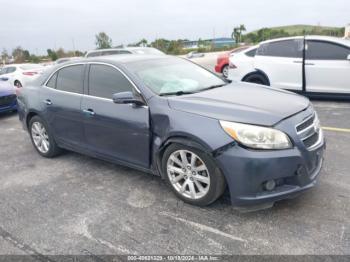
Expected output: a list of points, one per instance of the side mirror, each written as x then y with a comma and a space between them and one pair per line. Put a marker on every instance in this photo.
348, 58
127, 98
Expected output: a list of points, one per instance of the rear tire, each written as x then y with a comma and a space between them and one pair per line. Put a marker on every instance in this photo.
42, 138
256, 78
192, 175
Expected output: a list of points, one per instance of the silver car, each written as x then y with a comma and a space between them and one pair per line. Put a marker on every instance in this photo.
128, 50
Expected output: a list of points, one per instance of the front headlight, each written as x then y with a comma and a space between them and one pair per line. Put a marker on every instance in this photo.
256, 136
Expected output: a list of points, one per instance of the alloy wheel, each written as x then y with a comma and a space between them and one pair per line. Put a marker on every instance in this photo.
188, 174
40, 137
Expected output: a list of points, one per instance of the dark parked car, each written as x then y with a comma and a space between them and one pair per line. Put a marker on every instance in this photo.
167, 116
8, 100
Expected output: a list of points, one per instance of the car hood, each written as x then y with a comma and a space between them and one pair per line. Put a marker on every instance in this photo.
6, 89
242, 102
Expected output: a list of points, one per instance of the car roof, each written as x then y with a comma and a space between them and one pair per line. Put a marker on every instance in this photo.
113, 59
281, 39
330, 39
106, 49
125, 58
312, 37
137, 47
119, 49
250, 48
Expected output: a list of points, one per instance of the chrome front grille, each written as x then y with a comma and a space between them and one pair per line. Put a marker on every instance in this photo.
310, 132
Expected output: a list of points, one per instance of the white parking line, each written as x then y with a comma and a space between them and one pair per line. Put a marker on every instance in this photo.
335, 129
202, 227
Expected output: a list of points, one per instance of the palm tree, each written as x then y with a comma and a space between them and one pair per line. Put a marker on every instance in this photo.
237, 33
241, 29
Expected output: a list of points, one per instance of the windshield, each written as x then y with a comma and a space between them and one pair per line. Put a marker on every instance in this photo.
239, 49
174, 76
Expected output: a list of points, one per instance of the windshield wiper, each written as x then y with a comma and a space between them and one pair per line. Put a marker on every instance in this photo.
213, 86
178, 93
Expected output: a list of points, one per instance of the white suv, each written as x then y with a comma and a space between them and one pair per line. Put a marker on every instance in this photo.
316, 65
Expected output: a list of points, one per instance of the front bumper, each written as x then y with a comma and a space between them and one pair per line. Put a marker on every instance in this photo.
247, 172
293, 170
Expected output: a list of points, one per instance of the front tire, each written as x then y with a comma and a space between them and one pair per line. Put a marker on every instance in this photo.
192, 175
42, 138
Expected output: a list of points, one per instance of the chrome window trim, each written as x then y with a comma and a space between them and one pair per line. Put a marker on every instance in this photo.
64, 66
62, 91
97, 97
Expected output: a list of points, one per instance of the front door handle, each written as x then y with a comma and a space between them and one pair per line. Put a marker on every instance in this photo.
310, 64
298, 62
48, 102
89, 112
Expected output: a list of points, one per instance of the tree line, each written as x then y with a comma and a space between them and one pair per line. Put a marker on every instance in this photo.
174, 47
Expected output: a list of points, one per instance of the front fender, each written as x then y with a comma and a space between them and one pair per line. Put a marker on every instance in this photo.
174, 126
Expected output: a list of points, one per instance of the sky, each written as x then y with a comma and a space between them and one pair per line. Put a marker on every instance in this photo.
37, 25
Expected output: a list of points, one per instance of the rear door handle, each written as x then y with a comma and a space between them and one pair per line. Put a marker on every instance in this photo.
298, 62
311, 64
48, 102
89, 112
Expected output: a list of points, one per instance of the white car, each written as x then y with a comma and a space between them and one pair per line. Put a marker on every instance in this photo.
66, 59
20, 74
245, 60
315, 65
195, 54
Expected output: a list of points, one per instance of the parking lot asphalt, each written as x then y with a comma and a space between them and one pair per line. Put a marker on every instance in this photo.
75, 204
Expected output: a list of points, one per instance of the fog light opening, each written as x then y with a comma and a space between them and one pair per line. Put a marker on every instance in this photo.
270, 185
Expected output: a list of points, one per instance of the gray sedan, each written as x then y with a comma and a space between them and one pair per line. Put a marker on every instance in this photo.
169, 117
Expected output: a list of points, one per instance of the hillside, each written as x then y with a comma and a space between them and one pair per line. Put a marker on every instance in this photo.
291, 30
300, 29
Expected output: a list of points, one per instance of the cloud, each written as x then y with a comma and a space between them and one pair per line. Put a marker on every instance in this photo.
40, 24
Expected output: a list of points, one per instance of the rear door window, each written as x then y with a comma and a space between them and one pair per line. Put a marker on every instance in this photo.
286, 48
52, 82
3, 71
11, 70
321, 50
104, 81
251, 53
70, 79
